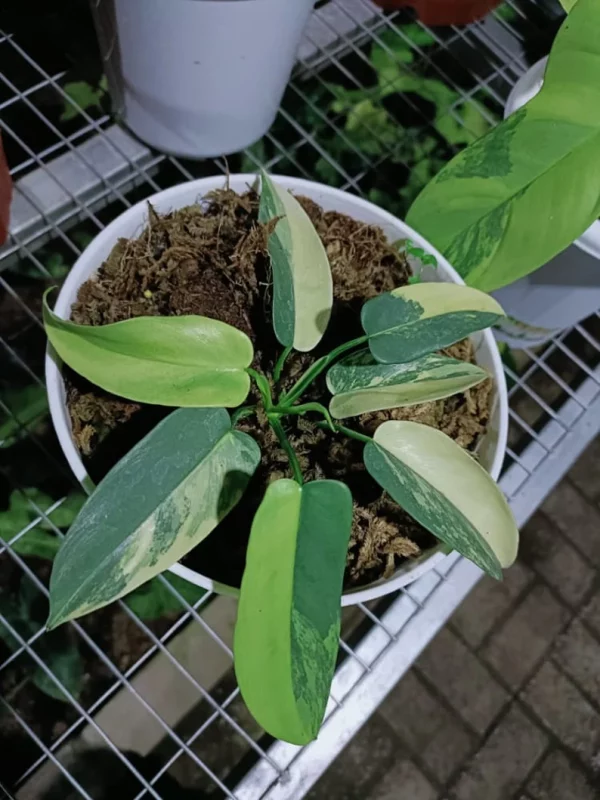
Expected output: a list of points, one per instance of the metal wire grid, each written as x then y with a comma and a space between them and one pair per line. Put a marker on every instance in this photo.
555, 410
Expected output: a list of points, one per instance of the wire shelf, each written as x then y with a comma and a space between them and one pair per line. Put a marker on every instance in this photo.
150, 705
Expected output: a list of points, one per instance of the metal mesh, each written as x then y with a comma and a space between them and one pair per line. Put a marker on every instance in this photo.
150, 705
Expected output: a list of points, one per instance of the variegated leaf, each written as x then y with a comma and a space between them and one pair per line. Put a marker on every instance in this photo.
361, 384
414, 320
446, 490
161, 500
537, 171
172, 361
302, 282
288, 625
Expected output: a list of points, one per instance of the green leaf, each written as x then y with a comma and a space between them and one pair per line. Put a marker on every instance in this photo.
153, 600
361, 384
84, 95
27, 406
22, 512
302, 282
414, 320
161, 500
446, 490
56, 649
288, 625
65, 662
172, 361
37, 543
522, 193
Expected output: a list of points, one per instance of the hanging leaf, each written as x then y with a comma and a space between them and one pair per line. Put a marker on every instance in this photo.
521, 194
288, 625
302, 282
361, 384
161, 500
171, 361
414, 320
446, 490
56, 649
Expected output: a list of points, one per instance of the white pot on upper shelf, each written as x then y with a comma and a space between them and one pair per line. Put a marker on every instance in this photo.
199, 78
564, 291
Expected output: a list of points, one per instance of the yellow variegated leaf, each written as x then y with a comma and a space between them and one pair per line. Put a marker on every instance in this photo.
302, 282
446, 490
170, 361
288, 625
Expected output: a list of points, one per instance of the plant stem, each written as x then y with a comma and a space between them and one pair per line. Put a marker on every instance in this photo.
302, 409
280, 363
263, 387
289, 450
347, 431
316, 369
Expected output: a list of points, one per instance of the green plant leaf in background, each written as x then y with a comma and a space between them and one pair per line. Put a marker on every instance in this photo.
302, 282
161, 500
521, 194
56, 649
27, 407
172, 361
286, 636
360, 384
84, 95
21, 512
415, 320
153, 600
446, 490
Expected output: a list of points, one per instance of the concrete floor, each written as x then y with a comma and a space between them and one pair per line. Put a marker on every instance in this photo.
504, 704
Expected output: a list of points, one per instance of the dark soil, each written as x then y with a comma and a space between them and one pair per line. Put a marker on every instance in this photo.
213, 261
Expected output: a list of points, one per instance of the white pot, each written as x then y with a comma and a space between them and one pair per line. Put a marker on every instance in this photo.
132, 222
199, 78
564, 291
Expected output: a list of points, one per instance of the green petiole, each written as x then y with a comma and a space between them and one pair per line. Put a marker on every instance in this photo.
317, 368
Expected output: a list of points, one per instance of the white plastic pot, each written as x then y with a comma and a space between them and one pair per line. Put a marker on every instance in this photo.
199, 78
564, 291
132, 222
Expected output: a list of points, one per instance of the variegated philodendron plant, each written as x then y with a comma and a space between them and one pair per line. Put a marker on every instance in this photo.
172, 489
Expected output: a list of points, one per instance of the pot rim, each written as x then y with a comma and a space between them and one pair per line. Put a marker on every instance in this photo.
90, 260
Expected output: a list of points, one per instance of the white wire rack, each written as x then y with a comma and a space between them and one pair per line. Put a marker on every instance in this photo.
160, 708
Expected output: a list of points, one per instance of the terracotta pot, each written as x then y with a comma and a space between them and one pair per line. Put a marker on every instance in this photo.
5, 195
445, 12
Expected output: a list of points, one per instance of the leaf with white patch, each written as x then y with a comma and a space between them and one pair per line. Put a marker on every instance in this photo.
161, 500
288, 625
446, 490
360, 384
411, 321
184, 361
302, 282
